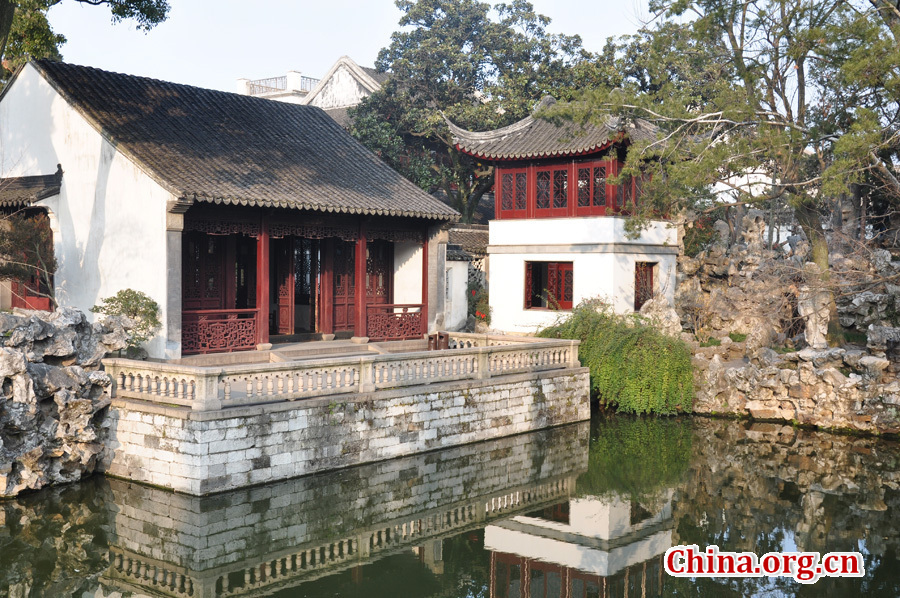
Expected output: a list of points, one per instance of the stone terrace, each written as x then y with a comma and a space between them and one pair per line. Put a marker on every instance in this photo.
208, 424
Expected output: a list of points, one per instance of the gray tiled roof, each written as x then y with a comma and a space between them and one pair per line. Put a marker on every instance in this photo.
340, 116
213, 146
472, 238
537, 138
21, 191
380, 78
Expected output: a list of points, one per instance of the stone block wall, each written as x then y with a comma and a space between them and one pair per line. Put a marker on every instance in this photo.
212, 451
203, 533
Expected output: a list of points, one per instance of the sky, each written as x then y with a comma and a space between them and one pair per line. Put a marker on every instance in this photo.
212, 43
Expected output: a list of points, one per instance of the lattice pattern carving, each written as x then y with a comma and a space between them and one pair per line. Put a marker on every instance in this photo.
395, 236
521, 188
506, 194
543, 189
600, 186
389, 322
584, 187
212, 332
223, 226
313, 230
560, 188
567, 286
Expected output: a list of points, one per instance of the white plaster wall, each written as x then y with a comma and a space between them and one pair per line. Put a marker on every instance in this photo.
603, 261
583, 230
109, 218
576, 556
457, 304
340, 90
407, 272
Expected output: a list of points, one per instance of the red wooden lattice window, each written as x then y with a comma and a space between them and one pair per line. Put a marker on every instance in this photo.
591, 187
643, 283
552, 192
549, 285
564, 190
513, 193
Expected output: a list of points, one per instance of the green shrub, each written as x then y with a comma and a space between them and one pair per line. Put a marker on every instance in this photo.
634, 367
142, 310
711, 342
737, 337
635, 457
479, 306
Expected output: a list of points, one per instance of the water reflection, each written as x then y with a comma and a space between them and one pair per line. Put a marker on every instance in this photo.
541, 515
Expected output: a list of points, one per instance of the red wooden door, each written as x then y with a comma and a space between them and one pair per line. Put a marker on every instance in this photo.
344, 285
284, 279
560, 283
379, 272
30, 294
203, 271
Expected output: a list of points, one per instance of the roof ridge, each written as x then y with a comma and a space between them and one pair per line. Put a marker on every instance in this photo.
216, 146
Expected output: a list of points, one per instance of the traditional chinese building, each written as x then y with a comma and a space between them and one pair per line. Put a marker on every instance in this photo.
242, 217
558, 233
587, 547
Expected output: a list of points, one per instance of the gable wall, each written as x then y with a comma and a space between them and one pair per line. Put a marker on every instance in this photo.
109, 218
341, 90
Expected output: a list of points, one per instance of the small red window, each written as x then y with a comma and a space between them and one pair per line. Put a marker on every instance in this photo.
549, 285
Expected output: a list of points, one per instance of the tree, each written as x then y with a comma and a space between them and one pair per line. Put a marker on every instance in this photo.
25, 32
764, 100
26, 252
481, 67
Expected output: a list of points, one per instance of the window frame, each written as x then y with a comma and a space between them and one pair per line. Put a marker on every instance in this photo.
516, 174
556, 278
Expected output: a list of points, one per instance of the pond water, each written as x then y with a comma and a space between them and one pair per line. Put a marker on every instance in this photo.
583, 511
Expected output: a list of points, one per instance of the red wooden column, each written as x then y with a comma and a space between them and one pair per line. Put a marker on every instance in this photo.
359, 327
262, 280
425, 282
326, 297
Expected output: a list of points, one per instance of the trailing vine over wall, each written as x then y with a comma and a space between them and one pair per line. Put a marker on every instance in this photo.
634, 367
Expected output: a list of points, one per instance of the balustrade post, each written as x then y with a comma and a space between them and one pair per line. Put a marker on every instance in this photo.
484, 363
206, 391
366, 374
113, 371
573, 354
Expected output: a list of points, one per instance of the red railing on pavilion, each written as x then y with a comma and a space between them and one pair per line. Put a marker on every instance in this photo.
218, 330
395, 321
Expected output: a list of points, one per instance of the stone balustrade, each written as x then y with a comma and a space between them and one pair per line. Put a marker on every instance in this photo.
205, 388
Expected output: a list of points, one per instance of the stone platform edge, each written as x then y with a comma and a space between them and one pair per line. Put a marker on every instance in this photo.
205, 452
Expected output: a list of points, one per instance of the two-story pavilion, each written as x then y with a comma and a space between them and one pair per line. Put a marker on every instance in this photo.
558, 234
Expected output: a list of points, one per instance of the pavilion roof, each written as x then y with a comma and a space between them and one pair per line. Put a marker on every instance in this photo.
224, 148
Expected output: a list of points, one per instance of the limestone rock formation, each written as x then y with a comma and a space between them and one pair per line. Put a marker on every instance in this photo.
663, 316
52, 395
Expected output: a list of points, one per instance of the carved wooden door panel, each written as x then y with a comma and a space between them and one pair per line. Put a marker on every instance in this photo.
306, 272
203, 271
344, 281
284, 280
379, 272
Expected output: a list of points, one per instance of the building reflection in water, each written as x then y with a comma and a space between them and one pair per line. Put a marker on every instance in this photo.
588, 547
259, 541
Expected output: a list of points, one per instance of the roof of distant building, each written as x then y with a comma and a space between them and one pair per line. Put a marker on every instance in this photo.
213, 146
21, 191
472, 238
534, 137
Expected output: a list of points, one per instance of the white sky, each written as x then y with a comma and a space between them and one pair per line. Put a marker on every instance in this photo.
212, 43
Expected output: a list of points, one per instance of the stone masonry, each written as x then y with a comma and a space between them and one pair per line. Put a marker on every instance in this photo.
202, 452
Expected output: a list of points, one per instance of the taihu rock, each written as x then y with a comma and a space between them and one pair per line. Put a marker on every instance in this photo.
53, 395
